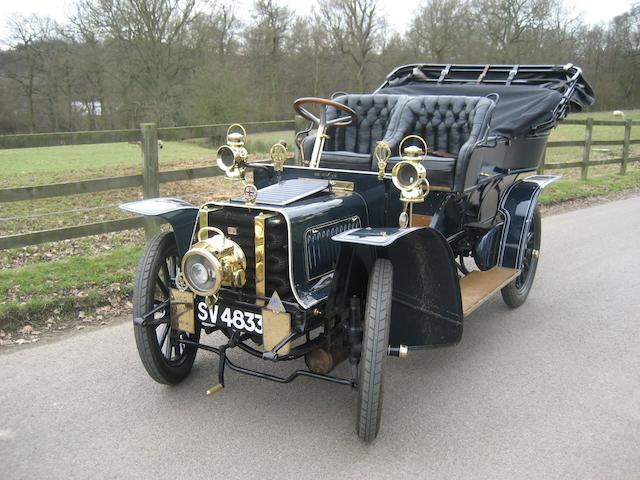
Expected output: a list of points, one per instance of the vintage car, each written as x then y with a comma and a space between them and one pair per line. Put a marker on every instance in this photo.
408, 208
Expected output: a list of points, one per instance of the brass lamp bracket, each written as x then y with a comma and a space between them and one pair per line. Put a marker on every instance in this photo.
278, 154
382, 153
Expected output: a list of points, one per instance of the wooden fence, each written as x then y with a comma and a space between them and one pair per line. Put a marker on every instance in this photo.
588, 143
151, 177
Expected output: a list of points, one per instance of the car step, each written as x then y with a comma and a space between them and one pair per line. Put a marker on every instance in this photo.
477, 287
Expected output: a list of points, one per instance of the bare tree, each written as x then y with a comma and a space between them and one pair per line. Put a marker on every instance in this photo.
152, 38
433, 30
356, 29
28, 37
510, 26
265, 41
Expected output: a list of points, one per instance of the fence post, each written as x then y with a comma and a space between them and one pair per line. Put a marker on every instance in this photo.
625, 146
150, 172
588, 131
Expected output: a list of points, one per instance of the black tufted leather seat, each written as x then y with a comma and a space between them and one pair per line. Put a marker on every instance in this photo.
351, 147
376, 115
448, 123
451, 124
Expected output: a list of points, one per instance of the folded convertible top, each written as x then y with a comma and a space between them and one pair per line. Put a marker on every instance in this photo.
531, 98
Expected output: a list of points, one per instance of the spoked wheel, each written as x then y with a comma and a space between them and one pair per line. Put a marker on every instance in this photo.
166, 360
375, 342
516, 292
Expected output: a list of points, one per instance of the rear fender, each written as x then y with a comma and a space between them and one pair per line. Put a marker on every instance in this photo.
179, 214
427, 309
517, 206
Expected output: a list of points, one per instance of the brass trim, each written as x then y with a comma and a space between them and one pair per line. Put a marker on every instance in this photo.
341, 185
182, 311
276, 326
382, 153
278, 154
261, 265
433, 188
215, 389
203, 217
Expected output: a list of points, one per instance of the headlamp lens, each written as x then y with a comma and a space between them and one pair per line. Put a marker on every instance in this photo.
200, 273
407, 175
226, 158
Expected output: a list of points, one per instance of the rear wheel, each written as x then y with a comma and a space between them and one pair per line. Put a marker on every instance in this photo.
165, 359
516, 292
374, 349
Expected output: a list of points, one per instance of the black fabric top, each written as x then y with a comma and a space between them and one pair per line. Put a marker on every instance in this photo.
519, 110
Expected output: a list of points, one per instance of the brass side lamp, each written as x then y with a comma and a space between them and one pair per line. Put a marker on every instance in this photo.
409, 175
232, 157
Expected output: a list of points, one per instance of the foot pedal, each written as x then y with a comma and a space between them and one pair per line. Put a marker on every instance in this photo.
215, 389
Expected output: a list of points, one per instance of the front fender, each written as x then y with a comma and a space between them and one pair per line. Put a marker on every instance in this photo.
179, 214
427, 308
517, 207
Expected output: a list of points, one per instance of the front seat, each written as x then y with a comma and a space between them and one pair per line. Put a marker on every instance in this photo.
351, 147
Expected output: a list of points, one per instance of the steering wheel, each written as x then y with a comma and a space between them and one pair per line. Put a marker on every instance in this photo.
345, 121
322, 123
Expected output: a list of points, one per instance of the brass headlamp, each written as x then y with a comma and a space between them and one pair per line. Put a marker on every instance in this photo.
409, 175
232, 157
213, 262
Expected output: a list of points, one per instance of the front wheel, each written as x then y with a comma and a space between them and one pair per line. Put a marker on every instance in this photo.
516, 292
166, 360
375, 341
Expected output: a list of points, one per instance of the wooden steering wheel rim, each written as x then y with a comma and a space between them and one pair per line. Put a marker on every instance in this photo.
297, 106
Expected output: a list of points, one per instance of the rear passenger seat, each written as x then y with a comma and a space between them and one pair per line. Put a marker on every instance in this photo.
451, 125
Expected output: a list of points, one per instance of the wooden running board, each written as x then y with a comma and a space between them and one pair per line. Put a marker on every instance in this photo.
477, 287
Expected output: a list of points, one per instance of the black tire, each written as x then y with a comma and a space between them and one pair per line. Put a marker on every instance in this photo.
165, 360
516, 292
375, 341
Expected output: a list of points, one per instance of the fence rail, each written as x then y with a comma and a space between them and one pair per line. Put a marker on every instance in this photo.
151, 177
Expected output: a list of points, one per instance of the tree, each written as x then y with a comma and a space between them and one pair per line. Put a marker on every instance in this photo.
265, 43
511, 27
435, 31
356, 29
28, 37
153, 44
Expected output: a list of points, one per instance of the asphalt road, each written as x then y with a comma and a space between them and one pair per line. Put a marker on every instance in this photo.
548, 391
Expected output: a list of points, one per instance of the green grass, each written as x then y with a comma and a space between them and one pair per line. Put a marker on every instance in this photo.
576, 132
30, 293
32, 166
569, 189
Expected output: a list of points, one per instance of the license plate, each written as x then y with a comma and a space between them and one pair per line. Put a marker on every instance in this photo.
221, 316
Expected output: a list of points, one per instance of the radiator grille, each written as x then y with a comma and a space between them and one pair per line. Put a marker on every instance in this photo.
239, 225
322, 252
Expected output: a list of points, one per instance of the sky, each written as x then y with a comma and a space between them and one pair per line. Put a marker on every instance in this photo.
398, 12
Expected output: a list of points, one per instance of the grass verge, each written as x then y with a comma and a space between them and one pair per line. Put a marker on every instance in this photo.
45, 294
567, 189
